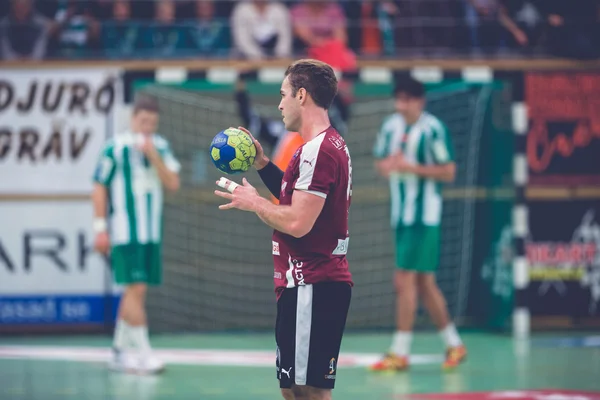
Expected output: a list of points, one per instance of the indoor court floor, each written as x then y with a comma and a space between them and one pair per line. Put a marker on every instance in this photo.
241, 366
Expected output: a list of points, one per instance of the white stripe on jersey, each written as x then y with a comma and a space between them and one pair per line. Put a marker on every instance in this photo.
139, 187
303, 328
157, 205
120, 229
308, 162
289, 274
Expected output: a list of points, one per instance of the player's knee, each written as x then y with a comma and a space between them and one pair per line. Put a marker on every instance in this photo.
319, 394
426, 284
137, 290
300, 392
404, 282
288, 394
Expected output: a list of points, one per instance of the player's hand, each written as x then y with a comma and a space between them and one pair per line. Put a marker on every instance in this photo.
243, 197
400, 164
260, 161
102, 243
146, 145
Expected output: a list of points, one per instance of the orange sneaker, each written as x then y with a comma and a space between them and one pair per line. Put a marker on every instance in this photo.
390, 362
454, 356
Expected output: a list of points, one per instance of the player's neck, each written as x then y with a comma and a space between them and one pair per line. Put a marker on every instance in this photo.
313, 123
413, 120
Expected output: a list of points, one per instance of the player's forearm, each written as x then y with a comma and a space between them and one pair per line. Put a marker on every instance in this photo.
99, 198
168, 178
281, 218
443, 173
99, 203
272, 177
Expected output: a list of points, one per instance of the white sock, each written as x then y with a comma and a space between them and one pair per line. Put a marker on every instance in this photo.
450, 336
121, 334
139, 334
401, 343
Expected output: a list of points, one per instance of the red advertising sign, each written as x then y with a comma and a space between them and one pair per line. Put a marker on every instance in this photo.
563, 142
508, 395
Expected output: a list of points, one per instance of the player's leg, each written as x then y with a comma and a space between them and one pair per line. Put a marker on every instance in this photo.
129, 314
152, 262
137, 265
288, 394
323, 310
407, 245
285, 337
310, 393
434, 300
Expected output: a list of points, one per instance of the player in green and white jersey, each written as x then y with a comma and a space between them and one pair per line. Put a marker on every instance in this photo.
132, 170
414, 150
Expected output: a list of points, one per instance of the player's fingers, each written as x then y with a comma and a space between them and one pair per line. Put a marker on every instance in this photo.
226, 206
227, 184
225, 195
249, 134
241, 128
246, 183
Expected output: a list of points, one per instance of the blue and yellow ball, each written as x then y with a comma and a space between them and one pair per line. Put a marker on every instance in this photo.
232, 151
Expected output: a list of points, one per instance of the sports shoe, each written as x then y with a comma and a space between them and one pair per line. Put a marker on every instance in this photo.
150, 365
390, 362
454, 356
122, 362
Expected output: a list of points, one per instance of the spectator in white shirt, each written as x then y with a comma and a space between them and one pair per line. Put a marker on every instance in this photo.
261, 28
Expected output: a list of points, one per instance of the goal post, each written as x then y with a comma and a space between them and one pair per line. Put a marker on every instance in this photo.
218, 265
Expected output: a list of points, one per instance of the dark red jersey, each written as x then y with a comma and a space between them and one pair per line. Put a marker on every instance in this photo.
323, 168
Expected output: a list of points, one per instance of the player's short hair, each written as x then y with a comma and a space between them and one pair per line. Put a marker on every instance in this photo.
409, 86
146, 103
316, 77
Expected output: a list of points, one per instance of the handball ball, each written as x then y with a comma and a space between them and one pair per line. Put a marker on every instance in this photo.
232, 151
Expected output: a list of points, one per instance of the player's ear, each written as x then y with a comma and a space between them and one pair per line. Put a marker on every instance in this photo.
301, 95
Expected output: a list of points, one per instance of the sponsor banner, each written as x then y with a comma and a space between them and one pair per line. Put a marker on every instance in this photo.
510, 394
563, 141
53, 124
50, 309
48, 270
563, 250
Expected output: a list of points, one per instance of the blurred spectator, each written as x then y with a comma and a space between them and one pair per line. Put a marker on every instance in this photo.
261, 28
523, 21
77, 30
321, 28
23, 33
120, 34
209, 34
370, 43
573, 28
163, 38
483, 22
318, 21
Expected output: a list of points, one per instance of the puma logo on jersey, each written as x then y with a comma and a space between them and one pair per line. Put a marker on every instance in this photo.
283, 371
308, 162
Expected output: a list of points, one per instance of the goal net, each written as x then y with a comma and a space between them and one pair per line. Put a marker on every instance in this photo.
218, 271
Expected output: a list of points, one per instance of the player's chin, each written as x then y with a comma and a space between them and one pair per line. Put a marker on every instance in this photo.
289, 125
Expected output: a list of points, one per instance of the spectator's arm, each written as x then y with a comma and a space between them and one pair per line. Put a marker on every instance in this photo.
6, 50
305, 34
302, 29
41, 43
242, 36
507, 22
284, 32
